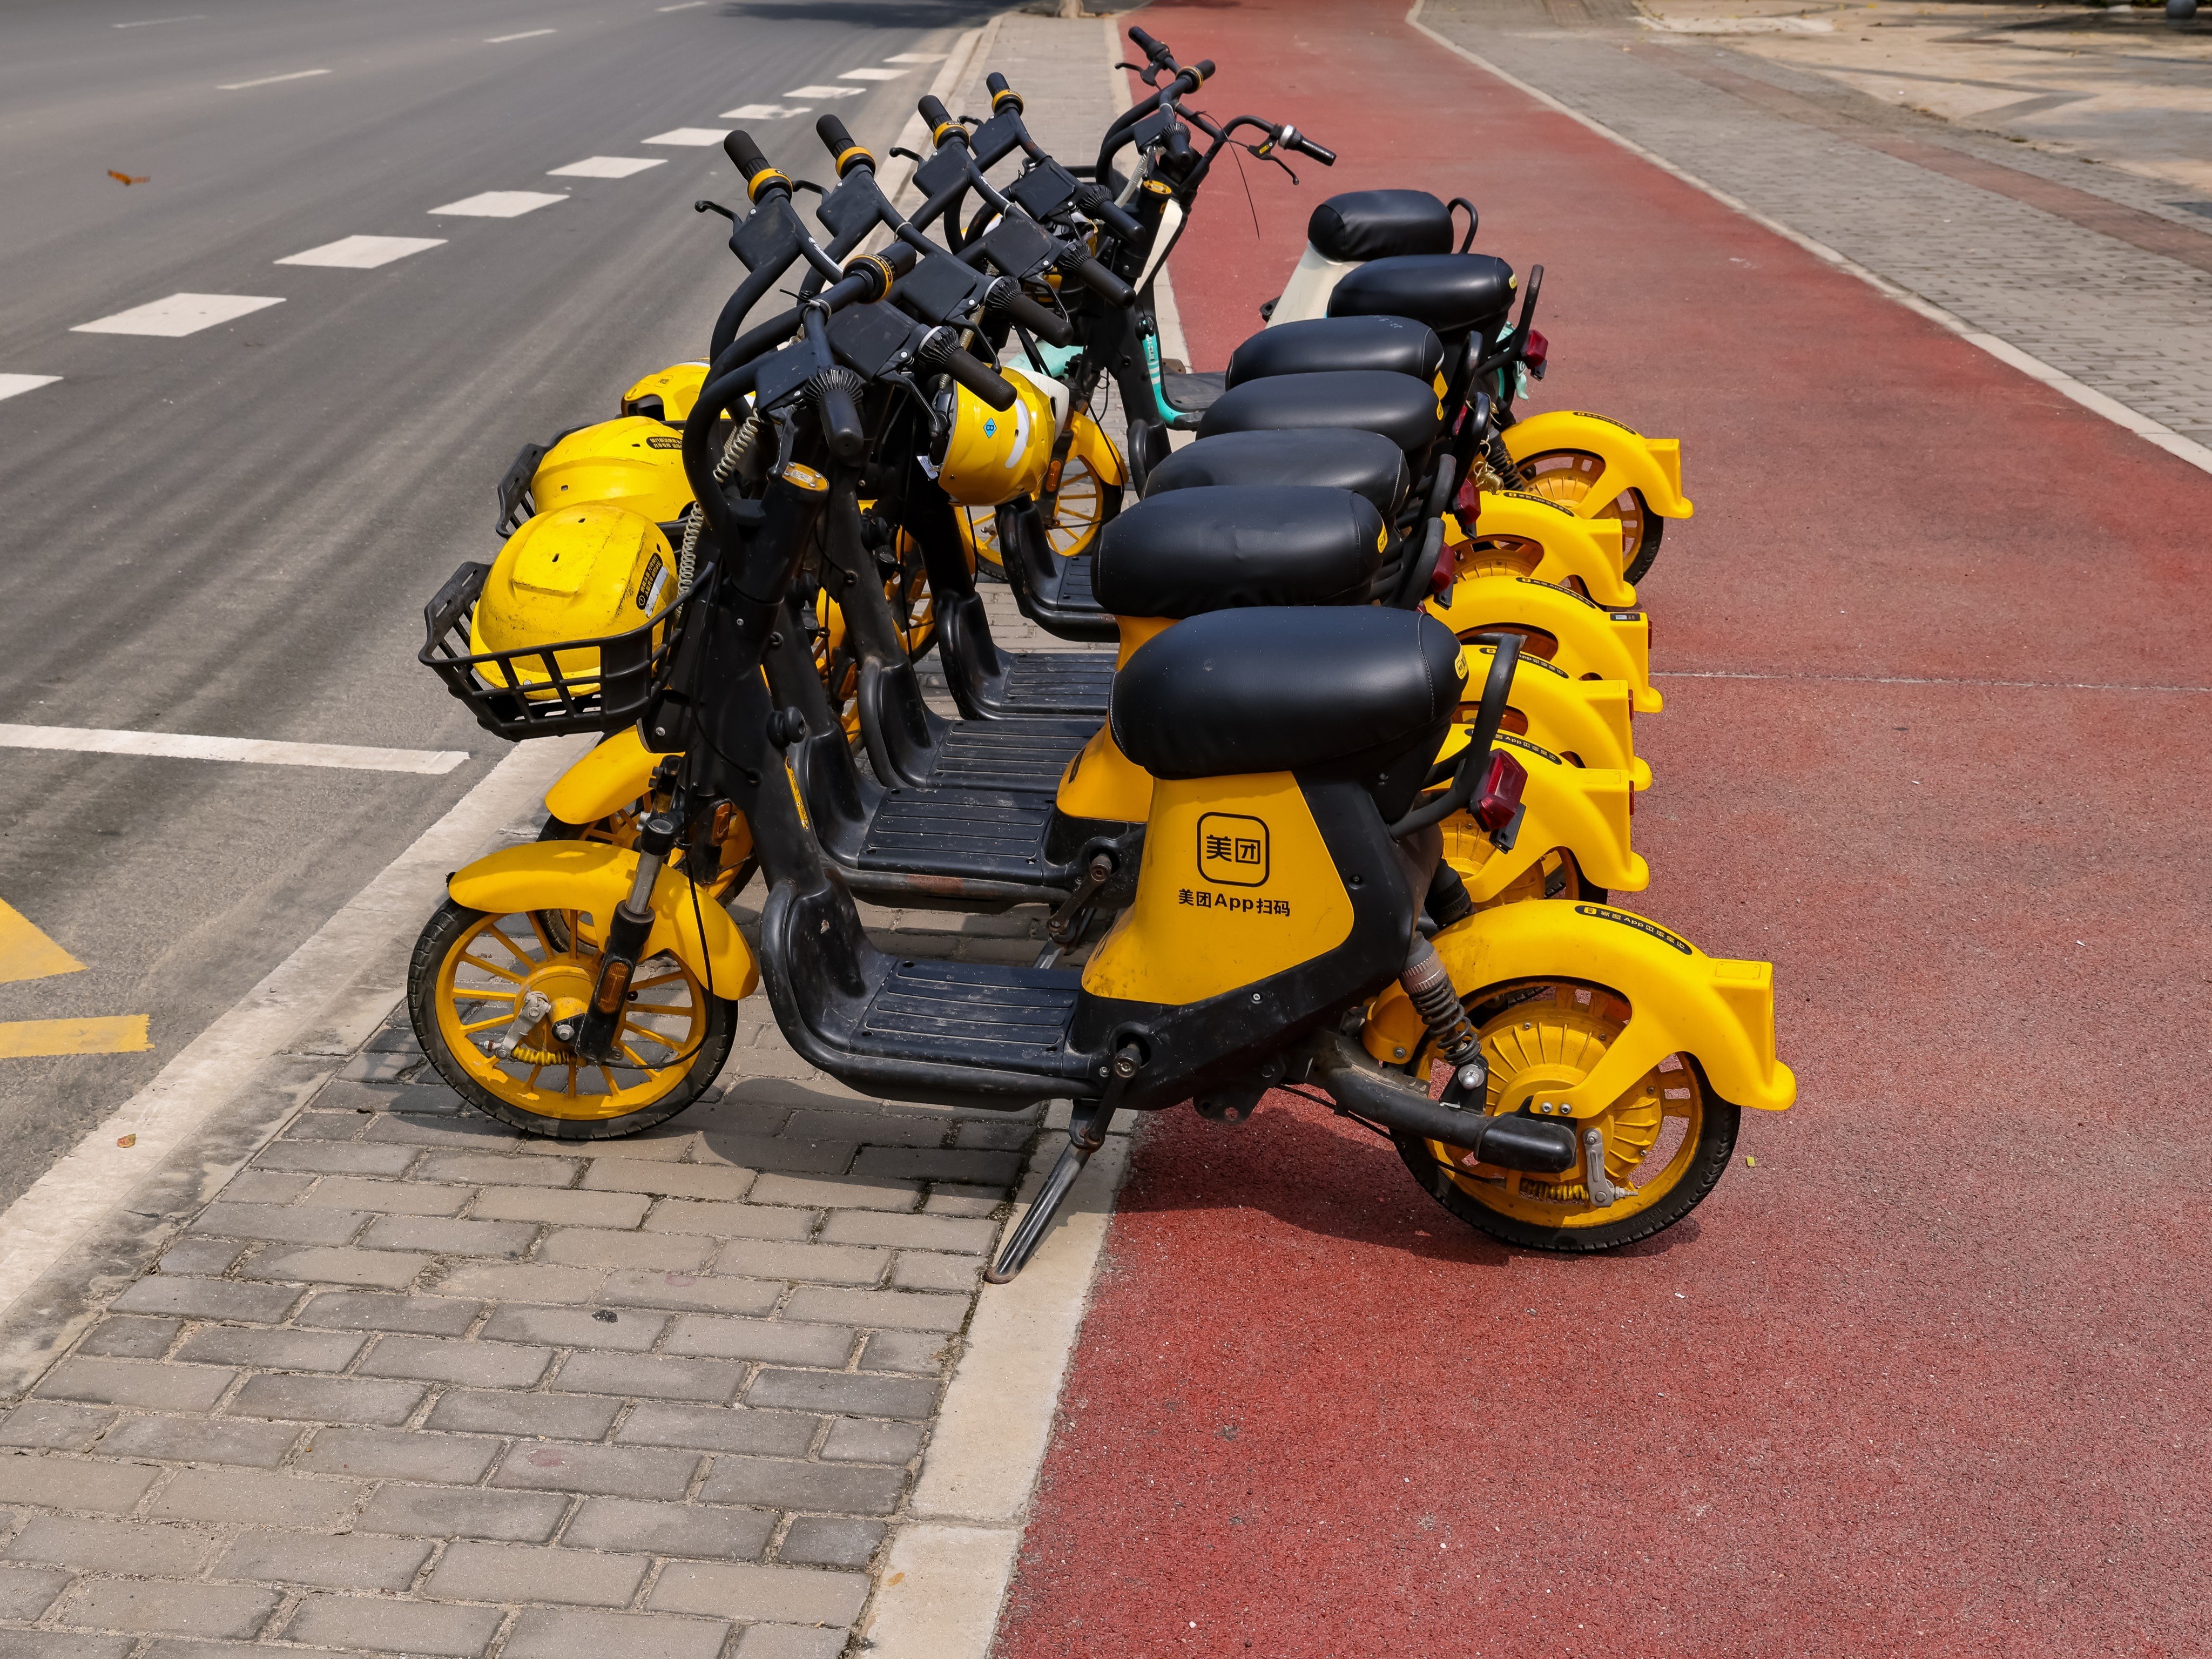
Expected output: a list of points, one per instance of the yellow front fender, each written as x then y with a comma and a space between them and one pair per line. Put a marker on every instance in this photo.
1587, 721
612, 776
1590, 642
1650, 466
1513, 525
1096, 450
592, 878
1719, 1013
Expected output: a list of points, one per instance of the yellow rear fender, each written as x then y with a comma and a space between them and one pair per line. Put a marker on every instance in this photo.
1587, 721
1589, 641
592, 878
1719, 1013
1576, 808
1585, 551
1092, 446
1650, 466
610, 777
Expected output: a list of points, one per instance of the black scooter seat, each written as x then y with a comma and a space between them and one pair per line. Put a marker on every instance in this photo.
1402, 409
1374, 224
1322, 345
1366, 463
1454, 294
1192, 552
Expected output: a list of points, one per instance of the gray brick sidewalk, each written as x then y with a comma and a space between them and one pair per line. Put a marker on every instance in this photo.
1802, 149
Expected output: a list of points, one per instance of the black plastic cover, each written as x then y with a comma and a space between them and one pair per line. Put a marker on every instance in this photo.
1192, 552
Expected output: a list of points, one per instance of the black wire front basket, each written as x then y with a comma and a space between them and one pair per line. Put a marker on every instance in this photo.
552, 689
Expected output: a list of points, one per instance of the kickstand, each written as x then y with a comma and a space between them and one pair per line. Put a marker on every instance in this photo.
1086, 1133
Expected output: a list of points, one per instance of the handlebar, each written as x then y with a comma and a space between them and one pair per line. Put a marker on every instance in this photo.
942, 127
1047, 325
1001, 94
837, 139
746, 156
1293, 139
1101, 281
979, 377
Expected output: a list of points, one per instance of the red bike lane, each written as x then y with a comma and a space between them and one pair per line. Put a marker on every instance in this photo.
1925, 1377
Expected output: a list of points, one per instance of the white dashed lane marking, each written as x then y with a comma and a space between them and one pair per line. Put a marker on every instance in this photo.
872, 75
917, 58
13, 386
688, 5
272, 80
824, 91
148, 22
526, 34
178, 315
363, 252
606, 166
184, 745
499, 205
697, 137
764, 111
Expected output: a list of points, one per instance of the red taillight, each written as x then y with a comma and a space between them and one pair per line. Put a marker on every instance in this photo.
1499, 798
1537, 352
1468, 505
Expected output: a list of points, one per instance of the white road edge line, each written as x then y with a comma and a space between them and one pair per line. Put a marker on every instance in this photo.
15, 385
99, 1177
950, 1562
2097, 403
526, 34
184, 745
272, 80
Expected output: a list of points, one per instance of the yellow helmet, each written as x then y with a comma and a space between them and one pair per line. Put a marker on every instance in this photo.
634, 461
993, 455
583, 573
667, 396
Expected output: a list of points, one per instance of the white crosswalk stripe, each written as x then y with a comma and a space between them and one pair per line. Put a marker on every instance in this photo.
179, 314
363, 252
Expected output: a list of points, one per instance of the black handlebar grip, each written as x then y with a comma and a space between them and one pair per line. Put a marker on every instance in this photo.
1147, 44
994, 84
1047, 325
745, 154
900, 256
840, 423
837, 139
933, 112
986, 382
1306, 146
1102, 208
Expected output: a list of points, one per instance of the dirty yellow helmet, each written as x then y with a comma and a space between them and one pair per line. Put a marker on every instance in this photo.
583, 573
667, 396
993, 455
635, 462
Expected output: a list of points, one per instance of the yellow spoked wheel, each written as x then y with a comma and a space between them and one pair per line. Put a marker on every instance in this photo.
1568, 475
1496, 556
1555, 876
1666, 1139
1084, 507
486, 992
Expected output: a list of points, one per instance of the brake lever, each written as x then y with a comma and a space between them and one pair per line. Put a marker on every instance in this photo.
705, 206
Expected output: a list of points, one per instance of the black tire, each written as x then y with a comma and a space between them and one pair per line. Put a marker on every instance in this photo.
438, 938
1647, 548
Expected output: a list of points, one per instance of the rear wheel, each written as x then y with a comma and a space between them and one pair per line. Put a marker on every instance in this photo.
1666, 1138
1568, 475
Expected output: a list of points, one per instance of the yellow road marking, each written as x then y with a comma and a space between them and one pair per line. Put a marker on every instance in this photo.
116, 1034
26, 953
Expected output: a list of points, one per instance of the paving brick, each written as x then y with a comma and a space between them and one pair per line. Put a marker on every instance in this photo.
67, 1483
205, 1258
59, 1644
906, 1351
995, 1136
478, 1364
370, 1310
353, 1562
116, 1546
692, 1530
831, 1264
317, 1157
594, 1246
447, 1237
522, 1517
567, 1633
202, 1440
618, 1471
855, 1440
27, 1592
712, 1293
206, 1298
910, 1232
171, 1606
137, 1382
852, 1394
494, 1169
560, 1416
710, 1180
322, 1126
516, 1573
877, 1128
926, 1270
790, 1642
384, 1625
327, 1400
521, 1281
962, 1202
399, 1454
415, 1196
831, 1540
761, 1339
714, 1223
465, 1131
560, 1207
652, 1376
781, 1156
576, 1327
130, 1336
54, 1425
715, 1428
278, 1224
911, 1311
388, 1270
256, 1498
670, 1145
287, 1351
263, 1186
686, 1215
792, 1484
831, 1193
945, 1163
789, 1595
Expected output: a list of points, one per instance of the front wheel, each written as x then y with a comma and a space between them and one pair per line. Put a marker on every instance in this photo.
1566, 476
1666, 1139
485, 992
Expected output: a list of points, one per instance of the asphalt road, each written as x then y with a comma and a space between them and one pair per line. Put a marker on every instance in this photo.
231, 533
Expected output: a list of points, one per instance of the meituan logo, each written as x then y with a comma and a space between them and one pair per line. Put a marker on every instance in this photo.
1233, 849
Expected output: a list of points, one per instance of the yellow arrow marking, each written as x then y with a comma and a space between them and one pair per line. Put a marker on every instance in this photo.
116, 1034
26, 953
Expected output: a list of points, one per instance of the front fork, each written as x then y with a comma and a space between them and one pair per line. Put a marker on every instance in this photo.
593, 1034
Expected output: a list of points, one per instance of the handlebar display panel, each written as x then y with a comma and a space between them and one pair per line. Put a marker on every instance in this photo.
1044, 190
939, 289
